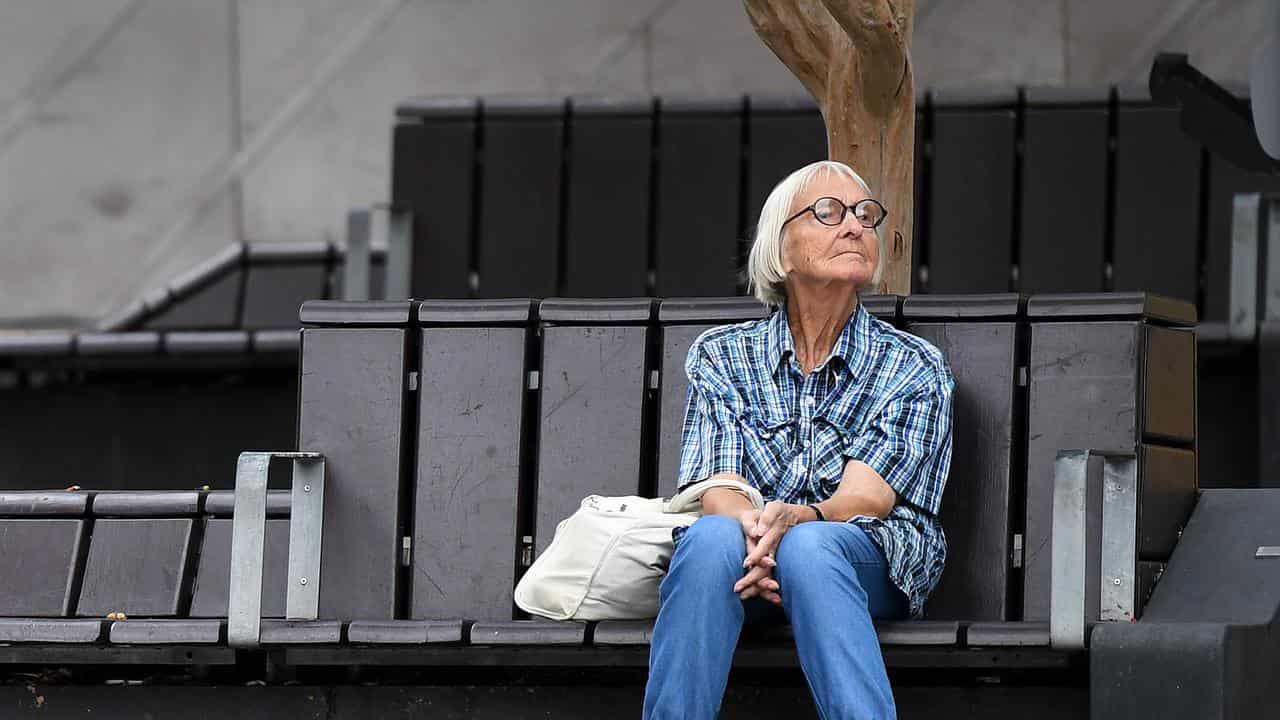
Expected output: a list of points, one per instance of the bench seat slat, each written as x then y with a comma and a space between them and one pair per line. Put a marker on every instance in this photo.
405, 632
33, 630
528, 632
300, 632
166, 632
1009, 634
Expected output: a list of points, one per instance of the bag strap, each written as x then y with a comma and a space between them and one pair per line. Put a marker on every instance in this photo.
690, 498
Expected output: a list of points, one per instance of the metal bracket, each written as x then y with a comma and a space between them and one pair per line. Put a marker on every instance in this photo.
248, 534
526, 551
396, 226
1242, 323
356, 266
1092, 492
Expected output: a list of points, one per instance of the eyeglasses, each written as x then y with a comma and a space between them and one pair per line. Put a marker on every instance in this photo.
830, 211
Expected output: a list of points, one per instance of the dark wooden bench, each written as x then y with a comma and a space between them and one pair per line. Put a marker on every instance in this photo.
457, 432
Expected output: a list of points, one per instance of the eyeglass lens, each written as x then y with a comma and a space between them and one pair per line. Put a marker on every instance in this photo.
830, 211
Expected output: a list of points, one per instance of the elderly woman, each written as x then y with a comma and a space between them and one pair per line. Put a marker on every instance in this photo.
844, 424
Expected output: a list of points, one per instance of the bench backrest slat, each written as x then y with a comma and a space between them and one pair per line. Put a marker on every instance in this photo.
1064, 198
214, 307
432, 177
213, 577
280, 279
136, 566
971, 177
520, 200
352, 404
699, 162
38, 565
683, 320
785, 136
607, 208
976, 506
1157, 204
468, 473
593, 390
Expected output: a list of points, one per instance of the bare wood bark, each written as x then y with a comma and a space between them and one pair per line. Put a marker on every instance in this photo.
854, 58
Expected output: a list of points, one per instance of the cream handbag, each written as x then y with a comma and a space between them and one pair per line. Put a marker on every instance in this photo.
608, 558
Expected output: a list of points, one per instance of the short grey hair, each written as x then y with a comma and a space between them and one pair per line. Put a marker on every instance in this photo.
765, 276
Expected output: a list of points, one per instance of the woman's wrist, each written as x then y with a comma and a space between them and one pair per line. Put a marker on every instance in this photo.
800, 513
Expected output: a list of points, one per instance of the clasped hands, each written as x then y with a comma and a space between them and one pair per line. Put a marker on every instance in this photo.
763, 530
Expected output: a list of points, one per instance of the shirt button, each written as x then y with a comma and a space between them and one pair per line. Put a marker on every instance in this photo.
806, 443
808, 401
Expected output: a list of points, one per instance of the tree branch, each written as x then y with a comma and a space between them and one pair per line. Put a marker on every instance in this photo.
797, 31
880, 31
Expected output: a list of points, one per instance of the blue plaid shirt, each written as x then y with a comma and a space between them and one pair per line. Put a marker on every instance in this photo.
883, 396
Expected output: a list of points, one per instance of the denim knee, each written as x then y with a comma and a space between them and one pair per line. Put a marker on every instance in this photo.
805, 552
713, 539
712, 532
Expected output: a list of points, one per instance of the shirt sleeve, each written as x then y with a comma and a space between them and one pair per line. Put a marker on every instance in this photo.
909, 444
711, 441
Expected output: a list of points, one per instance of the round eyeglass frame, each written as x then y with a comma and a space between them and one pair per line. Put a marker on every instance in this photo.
844, 210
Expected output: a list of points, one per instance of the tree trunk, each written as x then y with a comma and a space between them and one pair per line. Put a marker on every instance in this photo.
854, 58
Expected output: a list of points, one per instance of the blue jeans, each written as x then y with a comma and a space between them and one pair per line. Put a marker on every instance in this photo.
833, 580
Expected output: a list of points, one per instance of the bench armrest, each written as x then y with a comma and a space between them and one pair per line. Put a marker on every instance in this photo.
1094, 543
248, 533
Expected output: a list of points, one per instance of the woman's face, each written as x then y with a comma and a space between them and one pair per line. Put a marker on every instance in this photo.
814, 253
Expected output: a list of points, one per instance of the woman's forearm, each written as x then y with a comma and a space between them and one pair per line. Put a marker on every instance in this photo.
725, 501
843, 507
862, 492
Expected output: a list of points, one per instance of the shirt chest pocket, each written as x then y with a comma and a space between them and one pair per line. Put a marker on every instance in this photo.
778, 435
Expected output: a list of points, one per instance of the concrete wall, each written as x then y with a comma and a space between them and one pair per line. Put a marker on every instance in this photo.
139, 136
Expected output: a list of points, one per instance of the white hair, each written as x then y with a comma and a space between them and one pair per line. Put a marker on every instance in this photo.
765, 275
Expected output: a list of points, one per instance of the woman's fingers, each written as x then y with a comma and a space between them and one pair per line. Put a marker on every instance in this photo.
756, 574
764, 546
766, 588
767, 518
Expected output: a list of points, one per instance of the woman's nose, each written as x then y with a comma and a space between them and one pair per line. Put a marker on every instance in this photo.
851, 225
